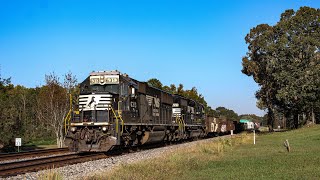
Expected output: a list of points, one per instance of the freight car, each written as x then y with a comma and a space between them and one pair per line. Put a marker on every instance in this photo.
117, 110
219, 126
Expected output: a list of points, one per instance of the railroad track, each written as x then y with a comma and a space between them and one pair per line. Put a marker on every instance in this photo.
32, 154
22, 167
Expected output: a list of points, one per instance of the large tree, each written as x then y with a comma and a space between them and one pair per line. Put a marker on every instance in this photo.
284, 60
53, 103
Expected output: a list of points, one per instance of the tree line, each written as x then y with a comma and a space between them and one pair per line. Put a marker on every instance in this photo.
284, 60
35, 113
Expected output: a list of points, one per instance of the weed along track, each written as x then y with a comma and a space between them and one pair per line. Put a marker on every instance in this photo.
32, 154
21, 167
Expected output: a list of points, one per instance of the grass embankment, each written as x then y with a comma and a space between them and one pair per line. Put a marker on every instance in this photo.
39, 144
42, 142
30, 145
234, 159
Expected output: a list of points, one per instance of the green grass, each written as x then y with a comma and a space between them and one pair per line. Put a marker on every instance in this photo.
42, 142
31, 145
235, 159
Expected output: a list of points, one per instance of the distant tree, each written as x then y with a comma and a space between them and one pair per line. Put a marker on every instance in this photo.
227, 113
180, 90
167, 89
192, 93
155, 83
211, 112
251, 117
173, 89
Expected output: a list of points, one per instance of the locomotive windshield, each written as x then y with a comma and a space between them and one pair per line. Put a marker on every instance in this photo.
110, 88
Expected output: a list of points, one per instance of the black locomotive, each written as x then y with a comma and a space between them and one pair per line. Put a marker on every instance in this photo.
116, 110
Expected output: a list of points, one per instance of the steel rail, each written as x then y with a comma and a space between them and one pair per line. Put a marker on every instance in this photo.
30, 154
32, 165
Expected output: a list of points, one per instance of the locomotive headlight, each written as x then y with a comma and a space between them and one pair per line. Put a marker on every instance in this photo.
104, 128
73, 129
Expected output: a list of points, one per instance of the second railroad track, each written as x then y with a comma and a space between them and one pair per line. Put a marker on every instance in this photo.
32, 154
32, 165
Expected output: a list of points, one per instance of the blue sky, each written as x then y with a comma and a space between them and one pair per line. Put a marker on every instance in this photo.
196, 43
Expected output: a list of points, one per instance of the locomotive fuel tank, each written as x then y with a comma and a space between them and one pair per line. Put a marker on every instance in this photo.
153, 137
195, 133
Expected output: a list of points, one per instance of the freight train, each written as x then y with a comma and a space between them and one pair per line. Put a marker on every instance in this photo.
117, 110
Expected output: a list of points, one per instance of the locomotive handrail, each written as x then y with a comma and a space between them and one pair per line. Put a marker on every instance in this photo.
183, 123
122, 123
180, 123
68, 116
120, 116
117, 121
67, 121
177, 120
